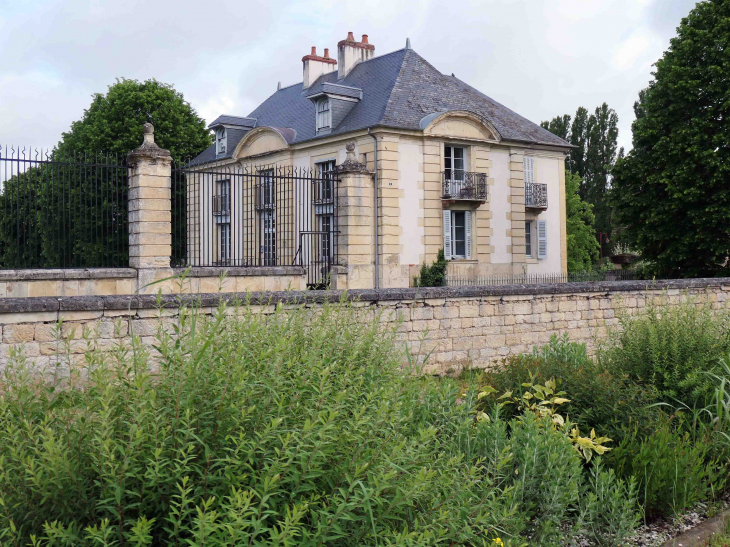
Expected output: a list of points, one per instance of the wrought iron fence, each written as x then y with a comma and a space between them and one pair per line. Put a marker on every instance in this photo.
536, 195
267, 216
62, 210
534, 279
458, 184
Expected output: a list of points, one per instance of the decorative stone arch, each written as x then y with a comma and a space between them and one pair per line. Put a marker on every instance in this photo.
262, 140
460, 124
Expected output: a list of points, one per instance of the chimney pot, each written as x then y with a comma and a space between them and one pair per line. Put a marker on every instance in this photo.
364, 38
326, 53
350, 37
314, 50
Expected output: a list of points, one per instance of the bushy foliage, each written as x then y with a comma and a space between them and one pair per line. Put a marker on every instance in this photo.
291, 428
671, 349
673, 470
433, 275
581, 237
599, 399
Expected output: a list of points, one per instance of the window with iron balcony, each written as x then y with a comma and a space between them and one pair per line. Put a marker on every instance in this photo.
458, 183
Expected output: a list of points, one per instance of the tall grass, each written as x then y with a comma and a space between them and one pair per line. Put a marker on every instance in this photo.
294, 428
670, 349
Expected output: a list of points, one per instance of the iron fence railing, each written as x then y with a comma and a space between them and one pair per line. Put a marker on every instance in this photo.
536, 195
275, 216
463, 185
534, 279
62, 210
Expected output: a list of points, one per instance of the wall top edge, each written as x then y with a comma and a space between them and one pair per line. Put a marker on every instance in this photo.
134, 302
240, 271
61, 274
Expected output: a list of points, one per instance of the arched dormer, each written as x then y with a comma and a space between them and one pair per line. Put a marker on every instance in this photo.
263, 140
459, 124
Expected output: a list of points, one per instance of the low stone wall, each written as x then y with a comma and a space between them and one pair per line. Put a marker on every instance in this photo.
456, 325
121, 281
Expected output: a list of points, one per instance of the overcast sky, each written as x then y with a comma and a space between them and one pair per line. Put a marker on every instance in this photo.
540, 58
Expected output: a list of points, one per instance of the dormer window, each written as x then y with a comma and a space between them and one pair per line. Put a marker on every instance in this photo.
220, 140
324, 115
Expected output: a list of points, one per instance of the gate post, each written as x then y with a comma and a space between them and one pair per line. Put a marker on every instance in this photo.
355, 218
150, 215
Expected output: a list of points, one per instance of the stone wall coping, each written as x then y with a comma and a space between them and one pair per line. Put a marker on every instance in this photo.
240, 271
123, 302
61, 274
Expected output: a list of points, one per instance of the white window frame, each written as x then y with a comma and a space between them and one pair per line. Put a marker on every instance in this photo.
449, 216
325, 188
528, 239
220, 140
324, 114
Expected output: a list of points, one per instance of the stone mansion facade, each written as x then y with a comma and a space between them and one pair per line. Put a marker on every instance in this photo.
433, 164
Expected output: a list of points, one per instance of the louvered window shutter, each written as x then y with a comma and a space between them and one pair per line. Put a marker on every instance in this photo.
447, 234
529, 170
542, 239
467, 222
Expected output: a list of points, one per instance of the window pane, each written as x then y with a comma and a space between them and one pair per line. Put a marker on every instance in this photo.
528, 238
459, 233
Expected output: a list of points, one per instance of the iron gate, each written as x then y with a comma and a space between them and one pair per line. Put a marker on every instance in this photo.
261, 216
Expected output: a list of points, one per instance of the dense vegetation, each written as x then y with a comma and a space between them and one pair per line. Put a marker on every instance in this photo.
671, 191
658, 388
295, 428
285, 429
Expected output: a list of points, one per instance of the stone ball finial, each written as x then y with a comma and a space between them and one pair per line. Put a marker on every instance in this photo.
350, 147
148, 128
351, 164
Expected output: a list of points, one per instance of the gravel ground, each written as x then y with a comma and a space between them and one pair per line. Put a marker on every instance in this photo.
657, 532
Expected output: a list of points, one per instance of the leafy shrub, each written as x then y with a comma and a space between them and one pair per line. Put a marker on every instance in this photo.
599, 399
673, 471
433, 275
608, 506
294, 428
671, 349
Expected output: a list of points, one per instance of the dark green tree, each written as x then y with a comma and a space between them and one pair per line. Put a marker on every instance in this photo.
79, 226
581, 239
671, 192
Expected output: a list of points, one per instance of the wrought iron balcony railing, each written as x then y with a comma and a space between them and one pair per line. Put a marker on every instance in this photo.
536, 196
222, 204
463, 185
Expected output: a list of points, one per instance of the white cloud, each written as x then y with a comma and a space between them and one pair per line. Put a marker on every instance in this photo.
540, 58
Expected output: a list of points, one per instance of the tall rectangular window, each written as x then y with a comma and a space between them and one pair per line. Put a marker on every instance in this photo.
457, 234
222, 213
325, 186
267, 217
454, 162
528, 238
324, 115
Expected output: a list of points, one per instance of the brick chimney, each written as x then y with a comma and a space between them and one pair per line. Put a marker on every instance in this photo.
315, 66
350, 52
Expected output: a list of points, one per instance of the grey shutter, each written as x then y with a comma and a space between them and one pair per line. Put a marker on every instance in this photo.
467, 222
447, 234
529, 166
542, 239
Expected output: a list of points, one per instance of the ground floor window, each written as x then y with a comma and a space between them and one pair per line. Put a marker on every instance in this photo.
224, 243
326, 227
528, 238
457, 234
268, 237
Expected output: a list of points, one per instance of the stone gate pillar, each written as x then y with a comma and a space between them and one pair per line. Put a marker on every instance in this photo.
150, 216
356, 217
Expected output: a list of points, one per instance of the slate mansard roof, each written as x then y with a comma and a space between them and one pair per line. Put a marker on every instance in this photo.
398, 90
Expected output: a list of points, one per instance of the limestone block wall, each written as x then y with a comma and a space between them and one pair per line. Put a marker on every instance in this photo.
458, 326
128, 281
